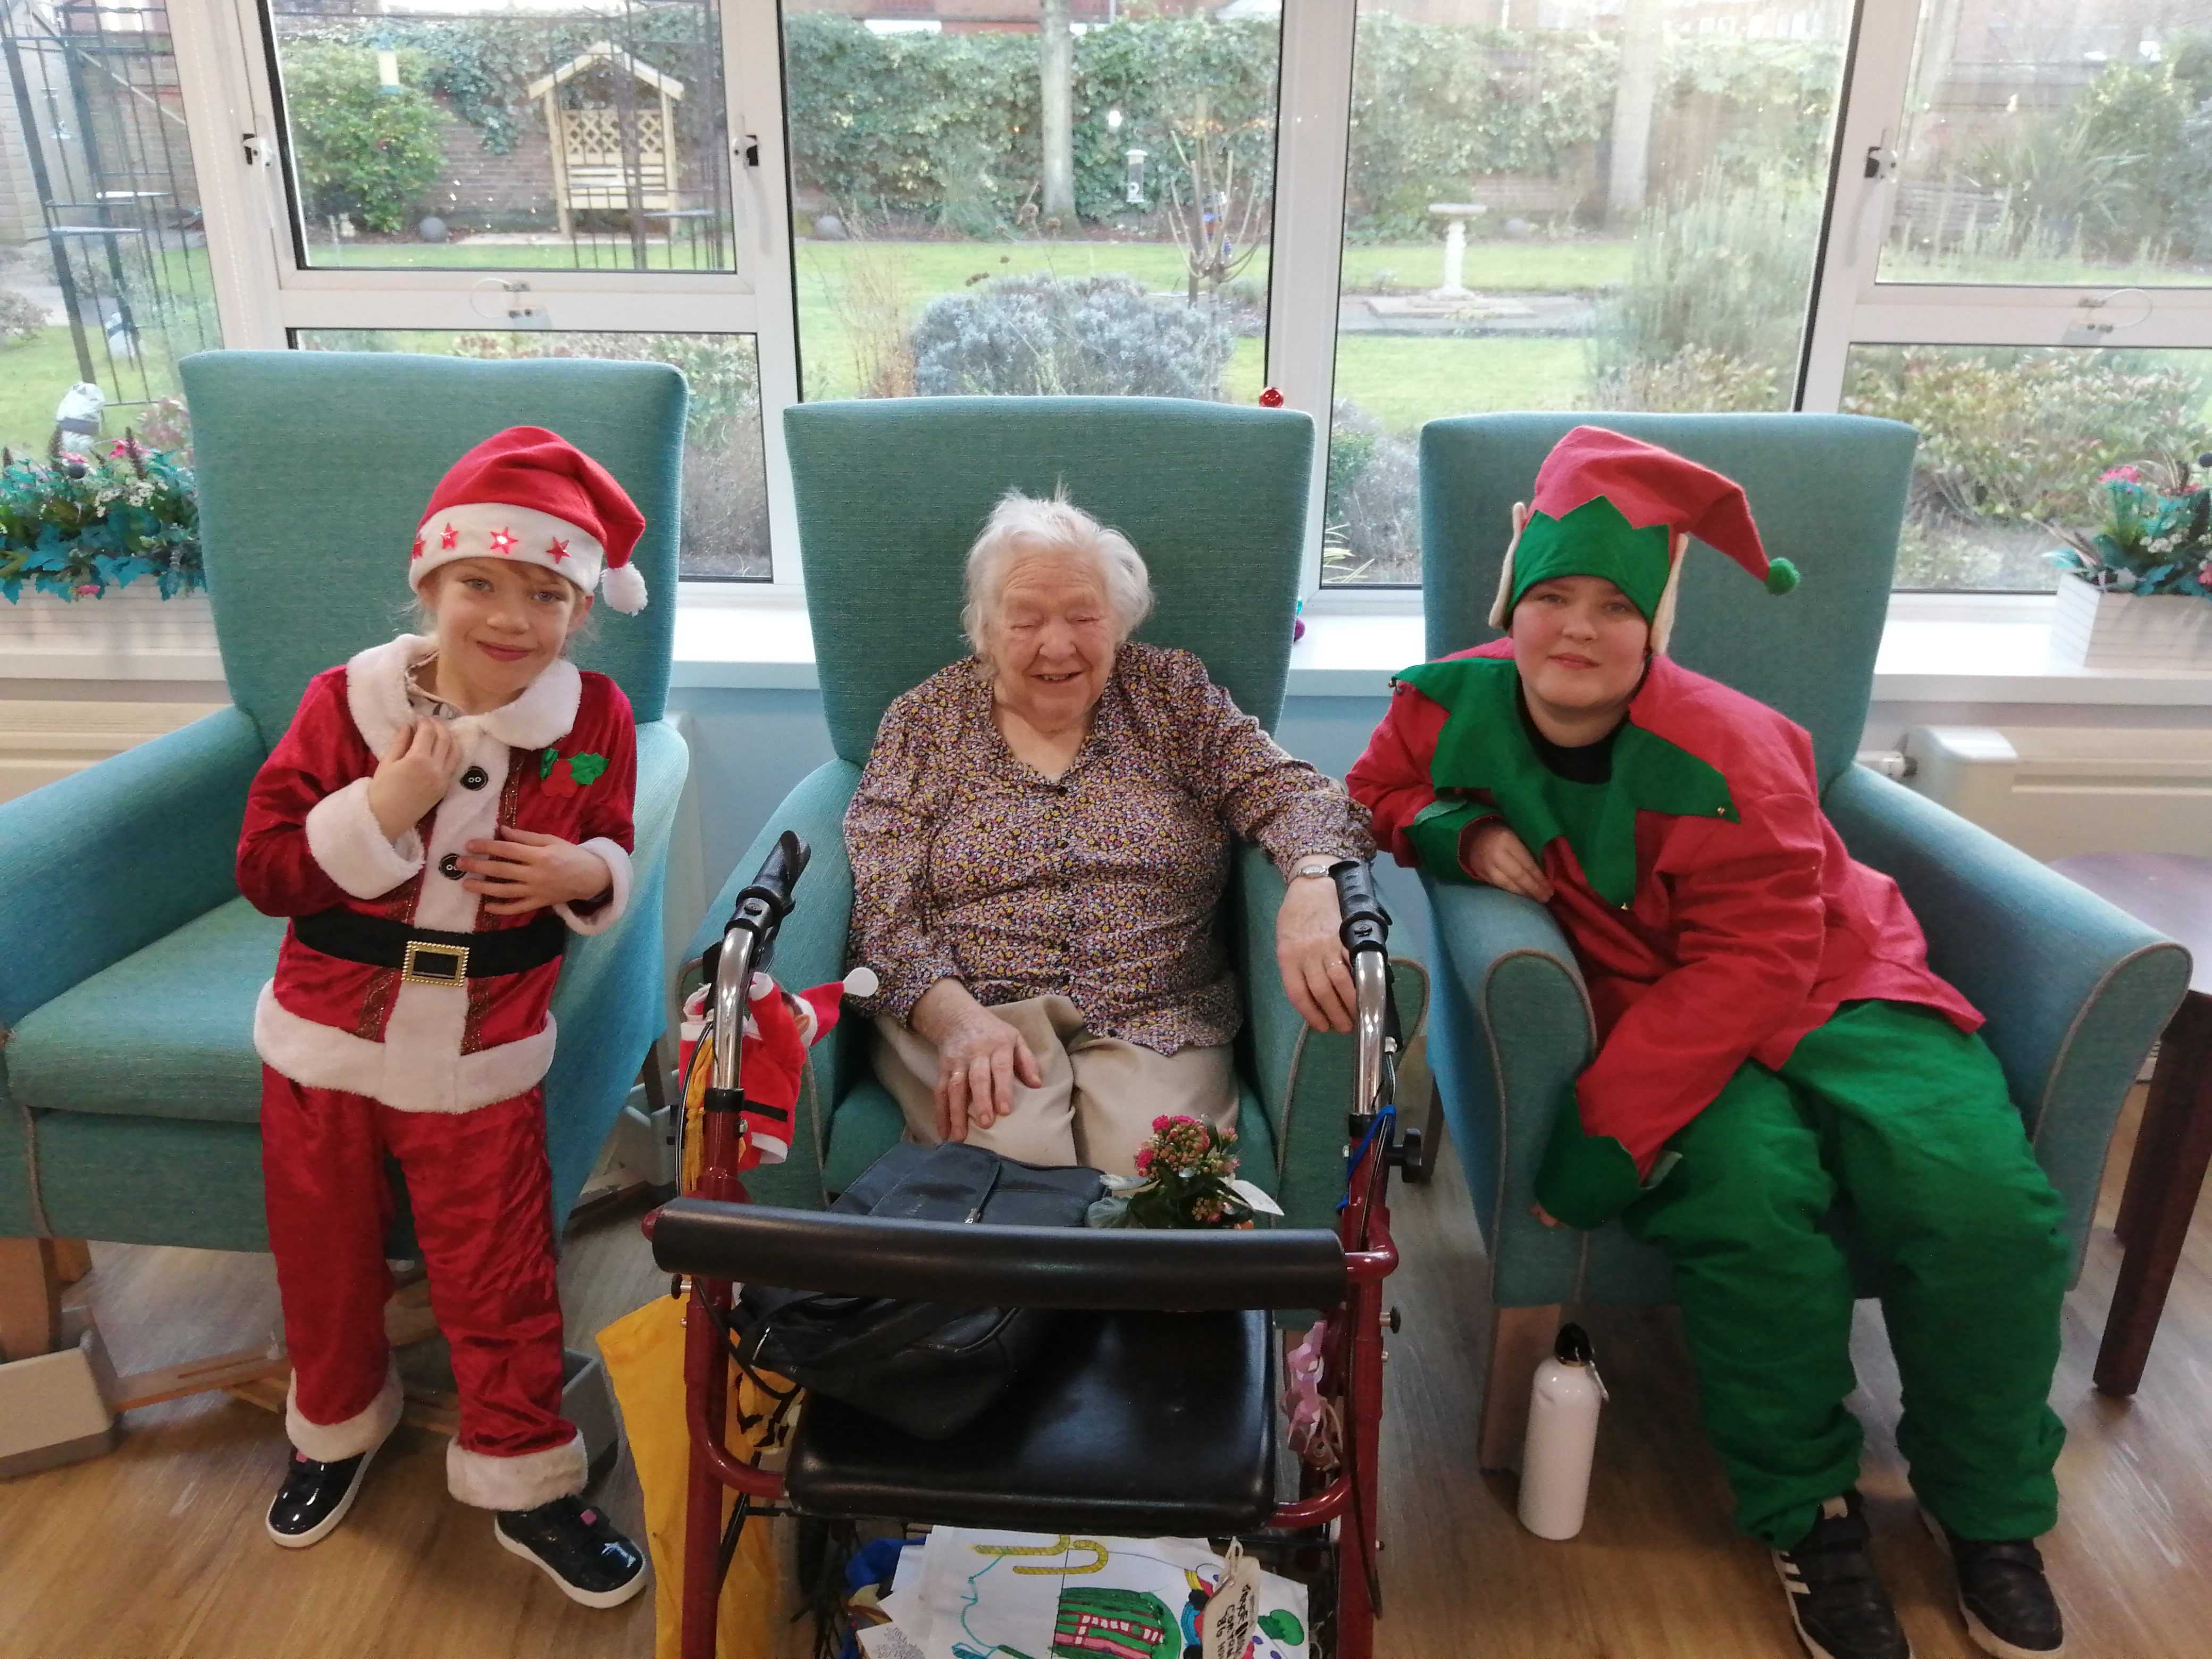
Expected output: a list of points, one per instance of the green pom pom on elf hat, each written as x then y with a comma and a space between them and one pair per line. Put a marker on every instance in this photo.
1781, 576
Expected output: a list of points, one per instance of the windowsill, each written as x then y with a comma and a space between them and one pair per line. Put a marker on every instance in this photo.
1938, 648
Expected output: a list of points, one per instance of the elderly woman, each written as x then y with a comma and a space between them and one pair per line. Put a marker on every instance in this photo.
1039, 844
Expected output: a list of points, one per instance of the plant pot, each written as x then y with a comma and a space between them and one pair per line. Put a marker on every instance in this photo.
2092, 628
123, 621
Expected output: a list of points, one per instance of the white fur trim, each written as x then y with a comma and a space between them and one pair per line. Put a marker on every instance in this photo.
364, 1431
376, 697
862, 982
516, 1483
418, 1067
623, 584
618, 879
515, 535
350, 846
1663, 615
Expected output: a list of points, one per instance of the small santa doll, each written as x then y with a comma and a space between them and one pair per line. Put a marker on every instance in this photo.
779, 1027
446, 809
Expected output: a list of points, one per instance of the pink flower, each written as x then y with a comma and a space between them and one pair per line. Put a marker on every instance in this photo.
2122, 475
1144, 1160
88, 590
1158, 1124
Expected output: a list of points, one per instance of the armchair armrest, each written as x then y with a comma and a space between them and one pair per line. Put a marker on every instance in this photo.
2075, 990
98, 865
810, 950
1511, 1030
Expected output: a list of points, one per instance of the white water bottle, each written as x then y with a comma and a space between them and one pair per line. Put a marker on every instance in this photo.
1555, 1460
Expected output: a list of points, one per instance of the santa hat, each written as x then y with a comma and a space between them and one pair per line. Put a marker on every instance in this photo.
530, 495
1615, 506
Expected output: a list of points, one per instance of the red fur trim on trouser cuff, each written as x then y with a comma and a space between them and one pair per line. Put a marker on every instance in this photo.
364, 1431
515, 1483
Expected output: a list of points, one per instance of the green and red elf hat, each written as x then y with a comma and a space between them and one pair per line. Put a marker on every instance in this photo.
529, 495
1611, 506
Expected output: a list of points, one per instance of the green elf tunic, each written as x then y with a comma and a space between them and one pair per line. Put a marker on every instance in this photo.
1773, 1047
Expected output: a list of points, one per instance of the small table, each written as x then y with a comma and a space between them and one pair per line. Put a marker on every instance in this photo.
2173, 894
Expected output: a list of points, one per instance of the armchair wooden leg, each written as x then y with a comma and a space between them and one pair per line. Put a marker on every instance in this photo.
1520, 1339
30, 1298
72, 1259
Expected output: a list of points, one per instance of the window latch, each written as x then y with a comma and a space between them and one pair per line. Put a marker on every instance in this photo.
256, 149
749, 151
1880, 162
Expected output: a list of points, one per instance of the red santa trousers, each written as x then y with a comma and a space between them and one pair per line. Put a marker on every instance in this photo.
482, 1195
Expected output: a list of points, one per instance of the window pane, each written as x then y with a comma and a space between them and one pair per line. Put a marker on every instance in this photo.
2057, 144
1057, 203
570, 134
2013, 443
103, 264
1561, 204
724, 476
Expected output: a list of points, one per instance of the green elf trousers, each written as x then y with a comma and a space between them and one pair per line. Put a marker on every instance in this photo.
1892, 1115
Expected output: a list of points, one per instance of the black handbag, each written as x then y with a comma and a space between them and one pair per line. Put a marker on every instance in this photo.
923, 1367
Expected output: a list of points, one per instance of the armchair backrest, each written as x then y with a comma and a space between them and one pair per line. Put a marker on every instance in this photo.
1828, 492
313, 469
891, 493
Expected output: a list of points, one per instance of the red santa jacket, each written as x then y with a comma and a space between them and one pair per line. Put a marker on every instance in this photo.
1747, 926
561, 759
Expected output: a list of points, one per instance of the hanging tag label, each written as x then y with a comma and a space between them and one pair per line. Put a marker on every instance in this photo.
1255, 1199
1233, 1613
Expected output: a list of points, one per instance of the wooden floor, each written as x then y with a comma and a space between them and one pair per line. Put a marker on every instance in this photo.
156, 1552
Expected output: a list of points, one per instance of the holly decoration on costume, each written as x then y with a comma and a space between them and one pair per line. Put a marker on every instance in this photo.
563, 776
1186, 1178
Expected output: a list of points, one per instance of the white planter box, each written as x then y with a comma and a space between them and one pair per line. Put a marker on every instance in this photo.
2092, 628
128, 633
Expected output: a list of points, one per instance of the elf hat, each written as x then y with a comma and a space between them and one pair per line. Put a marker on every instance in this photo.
529, 495
1615, 506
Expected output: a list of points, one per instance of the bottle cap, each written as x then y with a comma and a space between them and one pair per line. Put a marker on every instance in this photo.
1573, 1347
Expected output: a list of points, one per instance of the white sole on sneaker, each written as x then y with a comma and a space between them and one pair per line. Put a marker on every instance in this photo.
613, 1598
1789, 1589
1986, 1639
328, 1524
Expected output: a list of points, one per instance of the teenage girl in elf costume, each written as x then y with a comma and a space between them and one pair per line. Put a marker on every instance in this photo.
1771, 1040
445, 811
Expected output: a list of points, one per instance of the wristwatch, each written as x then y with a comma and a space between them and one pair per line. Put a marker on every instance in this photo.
1312, 867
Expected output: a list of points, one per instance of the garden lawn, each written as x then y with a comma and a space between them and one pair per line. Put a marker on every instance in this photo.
1403, 381
33, 377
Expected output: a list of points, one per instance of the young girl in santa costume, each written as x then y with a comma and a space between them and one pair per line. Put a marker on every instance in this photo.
445, 811
1772, 1045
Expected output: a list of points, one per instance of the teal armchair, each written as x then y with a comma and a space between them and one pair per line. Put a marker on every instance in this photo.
890, 493
129, 1092
2075, 991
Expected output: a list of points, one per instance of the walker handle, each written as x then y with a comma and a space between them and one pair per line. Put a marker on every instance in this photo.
1366, 923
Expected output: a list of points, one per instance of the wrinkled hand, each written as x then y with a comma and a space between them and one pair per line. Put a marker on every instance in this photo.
1316, 970
1493, 852
412, 776
526, 870
980, 1058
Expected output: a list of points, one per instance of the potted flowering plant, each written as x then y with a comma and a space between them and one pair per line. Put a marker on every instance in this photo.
75, 526
2136, 587
1186, 1178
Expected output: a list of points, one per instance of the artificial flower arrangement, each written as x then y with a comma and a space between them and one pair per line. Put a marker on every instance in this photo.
75, 525
1186, 1178
2156, 536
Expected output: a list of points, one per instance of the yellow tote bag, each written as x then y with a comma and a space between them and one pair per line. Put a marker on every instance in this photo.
644, 1352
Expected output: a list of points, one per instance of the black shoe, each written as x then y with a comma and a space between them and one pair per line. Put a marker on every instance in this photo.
583, 1553
2010, 1611
314, 1498
1838, 1605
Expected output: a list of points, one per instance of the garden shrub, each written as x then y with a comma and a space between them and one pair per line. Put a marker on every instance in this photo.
1372, 523
359, 149
22, 318
1036, 333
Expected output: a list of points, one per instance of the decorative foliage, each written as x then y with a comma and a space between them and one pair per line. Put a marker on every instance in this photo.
1036, 333
22, 318
361, 148
2156, 536
75, 527
1186, 1178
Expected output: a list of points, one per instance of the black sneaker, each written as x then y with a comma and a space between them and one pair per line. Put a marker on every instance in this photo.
2010, 1611
314, 1498
1837, 1602
580, 1550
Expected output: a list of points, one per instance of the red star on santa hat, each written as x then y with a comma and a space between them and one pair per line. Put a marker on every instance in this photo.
559, 549
504, 541
417, 553
446, 537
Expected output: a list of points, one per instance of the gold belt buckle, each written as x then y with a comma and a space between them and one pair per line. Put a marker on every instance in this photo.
426, 963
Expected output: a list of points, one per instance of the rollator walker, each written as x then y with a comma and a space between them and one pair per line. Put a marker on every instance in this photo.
1151, 1410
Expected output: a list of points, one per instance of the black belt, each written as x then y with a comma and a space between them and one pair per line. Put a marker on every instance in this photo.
426, 957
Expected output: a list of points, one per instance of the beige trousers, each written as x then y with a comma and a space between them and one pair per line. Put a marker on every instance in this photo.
1100, 1094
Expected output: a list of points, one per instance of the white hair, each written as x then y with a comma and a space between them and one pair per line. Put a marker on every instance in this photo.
1022, 526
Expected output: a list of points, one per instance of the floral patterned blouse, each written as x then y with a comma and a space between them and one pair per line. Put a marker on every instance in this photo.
1101, 886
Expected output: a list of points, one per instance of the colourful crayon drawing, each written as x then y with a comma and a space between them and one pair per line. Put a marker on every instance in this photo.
1114, 1623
